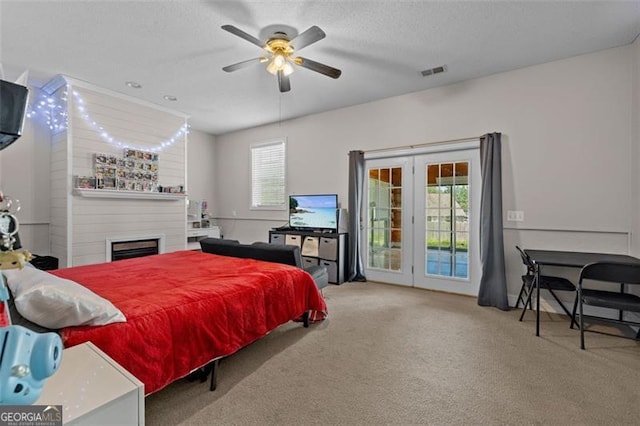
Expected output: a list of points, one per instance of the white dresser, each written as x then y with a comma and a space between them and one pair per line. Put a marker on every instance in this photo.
94, 390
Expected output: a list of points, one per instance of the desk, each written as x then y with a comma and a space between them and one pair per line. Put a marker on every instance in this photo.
570, 259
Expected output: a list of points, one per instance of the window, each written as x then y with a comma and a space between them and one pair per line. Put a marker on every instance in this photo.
447, 236
268, 175
385, 218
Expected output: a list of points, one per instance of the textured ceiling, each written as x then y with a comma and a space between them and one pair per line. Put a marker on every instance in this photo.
178, 48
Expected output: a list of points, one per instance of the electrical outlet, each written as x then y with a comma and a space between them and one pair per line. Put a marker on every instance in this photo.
234, 213
515, 215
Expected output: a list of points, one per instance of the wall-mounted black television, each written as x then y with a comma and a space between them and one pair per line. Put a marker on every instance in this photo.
13, 106
317, 212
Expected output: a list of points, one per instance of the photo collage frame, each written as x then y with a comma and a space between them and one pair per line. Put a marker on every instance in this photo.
135, 171
138, 171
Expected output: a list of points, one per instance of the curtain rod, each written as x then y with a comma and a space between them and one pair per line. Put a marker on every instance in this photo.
421, 145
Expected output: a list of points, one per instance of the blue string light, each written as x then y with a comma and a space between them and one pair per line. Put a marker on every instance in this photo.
80, 105
55, 114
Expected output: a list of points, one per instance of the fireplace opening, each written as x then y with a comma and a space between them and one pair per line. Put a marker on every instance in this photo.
131, 249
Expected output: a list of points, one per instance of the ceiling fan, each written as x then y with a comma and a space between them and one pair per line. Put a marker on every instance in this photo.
280, 57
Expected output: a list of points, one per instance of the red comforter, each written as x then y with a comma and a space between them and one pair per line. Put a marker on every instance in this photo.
186, 308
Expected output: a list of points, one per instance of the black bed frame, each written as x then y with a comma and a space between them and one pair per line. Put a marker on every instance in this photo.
212, 367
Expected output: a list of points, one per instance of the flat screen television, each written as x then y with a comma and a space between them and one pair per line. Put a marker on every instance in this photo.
314, 212
13, 105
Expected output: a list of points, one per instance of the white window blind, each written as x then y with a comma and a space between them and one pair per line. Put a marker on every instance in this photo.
268, 175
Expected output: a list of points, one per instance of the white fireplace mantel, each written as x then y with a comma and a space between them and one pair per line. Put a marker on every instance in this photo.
108, 193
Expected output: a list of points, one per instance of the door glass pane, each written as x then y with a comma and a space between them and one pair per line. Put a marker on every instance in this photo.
396, 218
447, 219
396, 177
385, 218
396, 197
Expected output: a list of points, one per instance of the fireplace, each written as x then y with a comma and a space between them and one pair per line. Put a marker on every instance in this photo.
127, 248
130, 249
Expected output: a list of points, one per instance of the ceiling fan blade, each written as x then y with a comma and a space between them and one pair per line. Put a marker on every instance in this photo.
309, 36
283, 82
318, 67
238, 32
243, 64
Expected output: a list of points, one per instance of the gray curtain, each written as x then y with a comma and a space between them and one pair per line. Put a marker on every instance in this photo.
493, 284
356, 186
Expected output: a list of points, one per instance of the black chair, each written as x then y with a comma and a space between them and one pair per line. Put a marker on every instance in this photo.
547, 282
527, 279
608, 272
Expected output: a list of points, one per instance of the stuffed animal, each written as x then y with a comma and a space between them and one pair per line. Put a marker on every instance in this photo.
14, 259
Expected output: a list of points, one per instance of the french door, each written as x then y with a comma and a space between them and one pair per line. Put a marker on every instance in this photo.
388, 197
446, 229
422, 223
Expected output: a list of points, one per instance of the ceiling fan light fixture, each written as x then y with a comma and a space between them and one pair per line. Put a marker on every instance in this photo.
287, 69
272, 67
280, 62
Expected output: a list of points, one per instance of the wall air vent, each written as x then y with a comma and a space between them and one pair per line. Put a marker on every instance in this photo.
436, 70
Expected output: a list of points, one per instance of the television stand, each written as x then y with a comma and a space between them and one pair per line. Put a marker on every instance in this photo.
283, 228
328, 249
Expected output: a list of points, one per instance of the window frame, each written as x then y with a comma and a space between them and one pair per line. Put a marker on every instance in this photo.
269, 207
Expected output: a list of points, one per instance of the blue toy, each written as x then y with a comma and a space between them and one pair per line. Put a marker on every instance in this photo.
27, 359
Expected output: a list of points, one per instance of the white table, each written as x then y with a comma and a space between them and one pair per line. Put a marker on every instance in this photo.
94, 390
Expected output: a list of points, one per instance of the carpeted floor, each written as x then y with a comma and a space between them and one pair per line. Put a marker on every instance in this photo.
397, 355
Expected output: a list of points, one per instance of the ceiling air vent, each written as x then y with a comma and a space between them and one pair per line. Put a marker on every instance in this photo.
436, 70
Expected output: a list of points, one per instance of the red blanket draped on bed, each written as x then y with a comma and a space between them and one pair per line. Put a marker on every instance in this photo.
186, 308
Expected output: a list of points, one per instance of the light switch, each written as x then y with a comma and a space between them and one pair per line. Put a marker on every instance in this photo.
515, 215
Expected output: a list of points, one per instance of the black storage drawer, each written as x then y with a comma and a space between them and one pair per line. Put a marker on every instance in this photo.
317, 248
45, 263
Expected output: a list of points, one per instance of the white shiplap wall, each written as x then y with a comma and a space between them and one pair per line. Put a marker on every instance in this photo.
59, 198
91, 221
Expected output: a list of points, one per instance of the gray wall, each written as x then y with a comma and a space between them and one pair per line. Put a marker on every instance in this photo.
567, 144
200, 166
635, 149
25, 175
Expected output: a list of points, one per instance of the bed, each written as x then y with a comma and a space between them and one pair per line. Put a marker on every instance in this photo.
185, 309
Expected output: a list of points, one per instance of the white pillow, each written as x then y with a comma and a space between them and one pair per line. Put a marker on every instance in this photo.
55, 302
